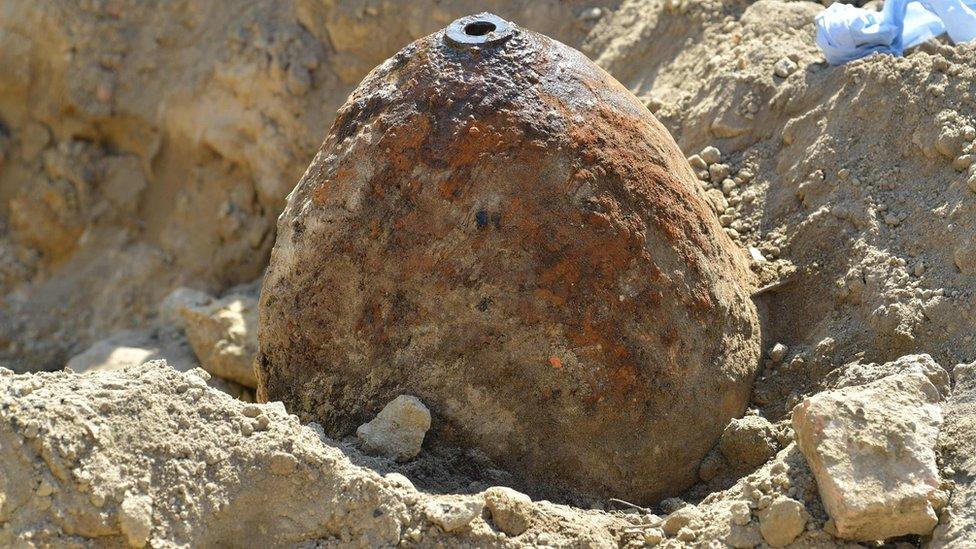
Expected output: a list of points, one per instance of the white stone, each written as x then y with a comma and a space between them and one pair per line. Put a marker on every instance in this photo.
872, 451
510, 510
710, 155
778, 352
697, 162
135, 519
784, 67
453, 515
782, 521
398, 430
688, 515
653, 536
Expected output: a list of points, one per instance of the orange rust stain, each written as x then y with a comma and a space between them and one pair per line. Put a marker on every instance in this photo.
623, 145
566, 271
402, 143
448, 189
546, 295
478, 140
320, 194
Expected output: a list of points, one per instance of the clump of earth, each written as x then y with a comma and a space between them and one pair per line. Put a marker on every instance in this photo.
145, 152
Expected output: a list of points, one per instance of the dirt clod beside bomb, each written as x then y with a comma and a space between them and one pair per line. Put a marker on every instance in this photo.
498, 227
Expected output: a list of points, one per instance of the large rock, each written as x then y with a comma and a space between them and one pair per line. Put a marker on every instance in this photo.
507, 233
872, 450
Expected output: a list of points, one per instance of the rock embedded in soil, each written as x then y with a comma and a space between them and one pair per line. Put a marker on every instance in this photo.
857, 373
872, 451
223, 334
510, 510
508, 234
453, 514
782, 521
687, 516
711, 155
398, 430
748, 442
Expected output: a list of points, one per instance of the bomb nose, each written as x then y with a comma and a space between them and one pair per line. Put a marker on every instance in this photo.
483, 29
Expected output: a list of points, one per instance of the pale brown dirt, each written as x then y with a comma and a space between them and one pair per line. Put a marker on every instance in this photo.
146, 146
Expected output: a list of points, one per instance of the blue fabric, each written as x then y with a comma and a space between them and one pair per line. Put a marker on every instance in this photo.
845, 33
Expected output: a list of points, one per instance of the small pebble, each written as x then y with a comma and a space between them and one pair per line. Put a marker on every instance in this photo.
718, 172
784, 67
251, 410
778, 352
591, 14
727, 186
686, 534
697, 162
711, 155
962, 162
653, 536
741, 514
756, 255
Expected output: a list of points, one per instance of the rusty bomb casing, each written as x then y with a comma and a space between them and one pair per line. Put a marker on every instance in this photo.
497, 226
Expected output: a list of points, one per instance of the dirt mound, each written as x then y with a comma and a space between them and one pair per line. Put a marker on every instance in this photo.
152, 455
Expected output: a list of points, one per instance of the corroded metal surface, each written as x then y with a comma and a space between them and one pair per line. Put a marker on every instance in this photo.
503, 230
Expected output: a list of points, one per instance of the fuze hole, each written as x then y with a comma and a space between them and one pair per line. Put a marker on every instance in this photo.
479, 28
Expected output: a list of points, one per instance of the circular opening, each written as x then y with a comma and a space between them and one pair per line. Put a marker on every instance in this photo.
479, 28
478, 31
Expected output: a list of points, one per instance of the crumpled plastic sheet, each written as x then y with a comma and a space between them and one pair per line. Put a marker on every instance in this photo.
845, 33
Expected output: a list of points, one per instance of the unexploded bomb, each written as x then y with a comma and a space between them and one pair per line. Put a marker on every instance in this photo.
498, 227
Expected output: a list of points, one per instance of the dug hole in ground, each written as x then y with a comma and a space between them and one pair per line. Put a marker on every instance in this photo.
145, 153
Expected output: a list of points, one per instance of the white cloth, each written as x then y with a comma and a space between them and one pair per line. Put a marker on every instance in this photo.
845, 33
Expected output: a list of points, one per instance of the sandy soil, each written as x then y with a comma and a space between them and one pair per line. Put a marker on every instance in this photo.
144, 148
